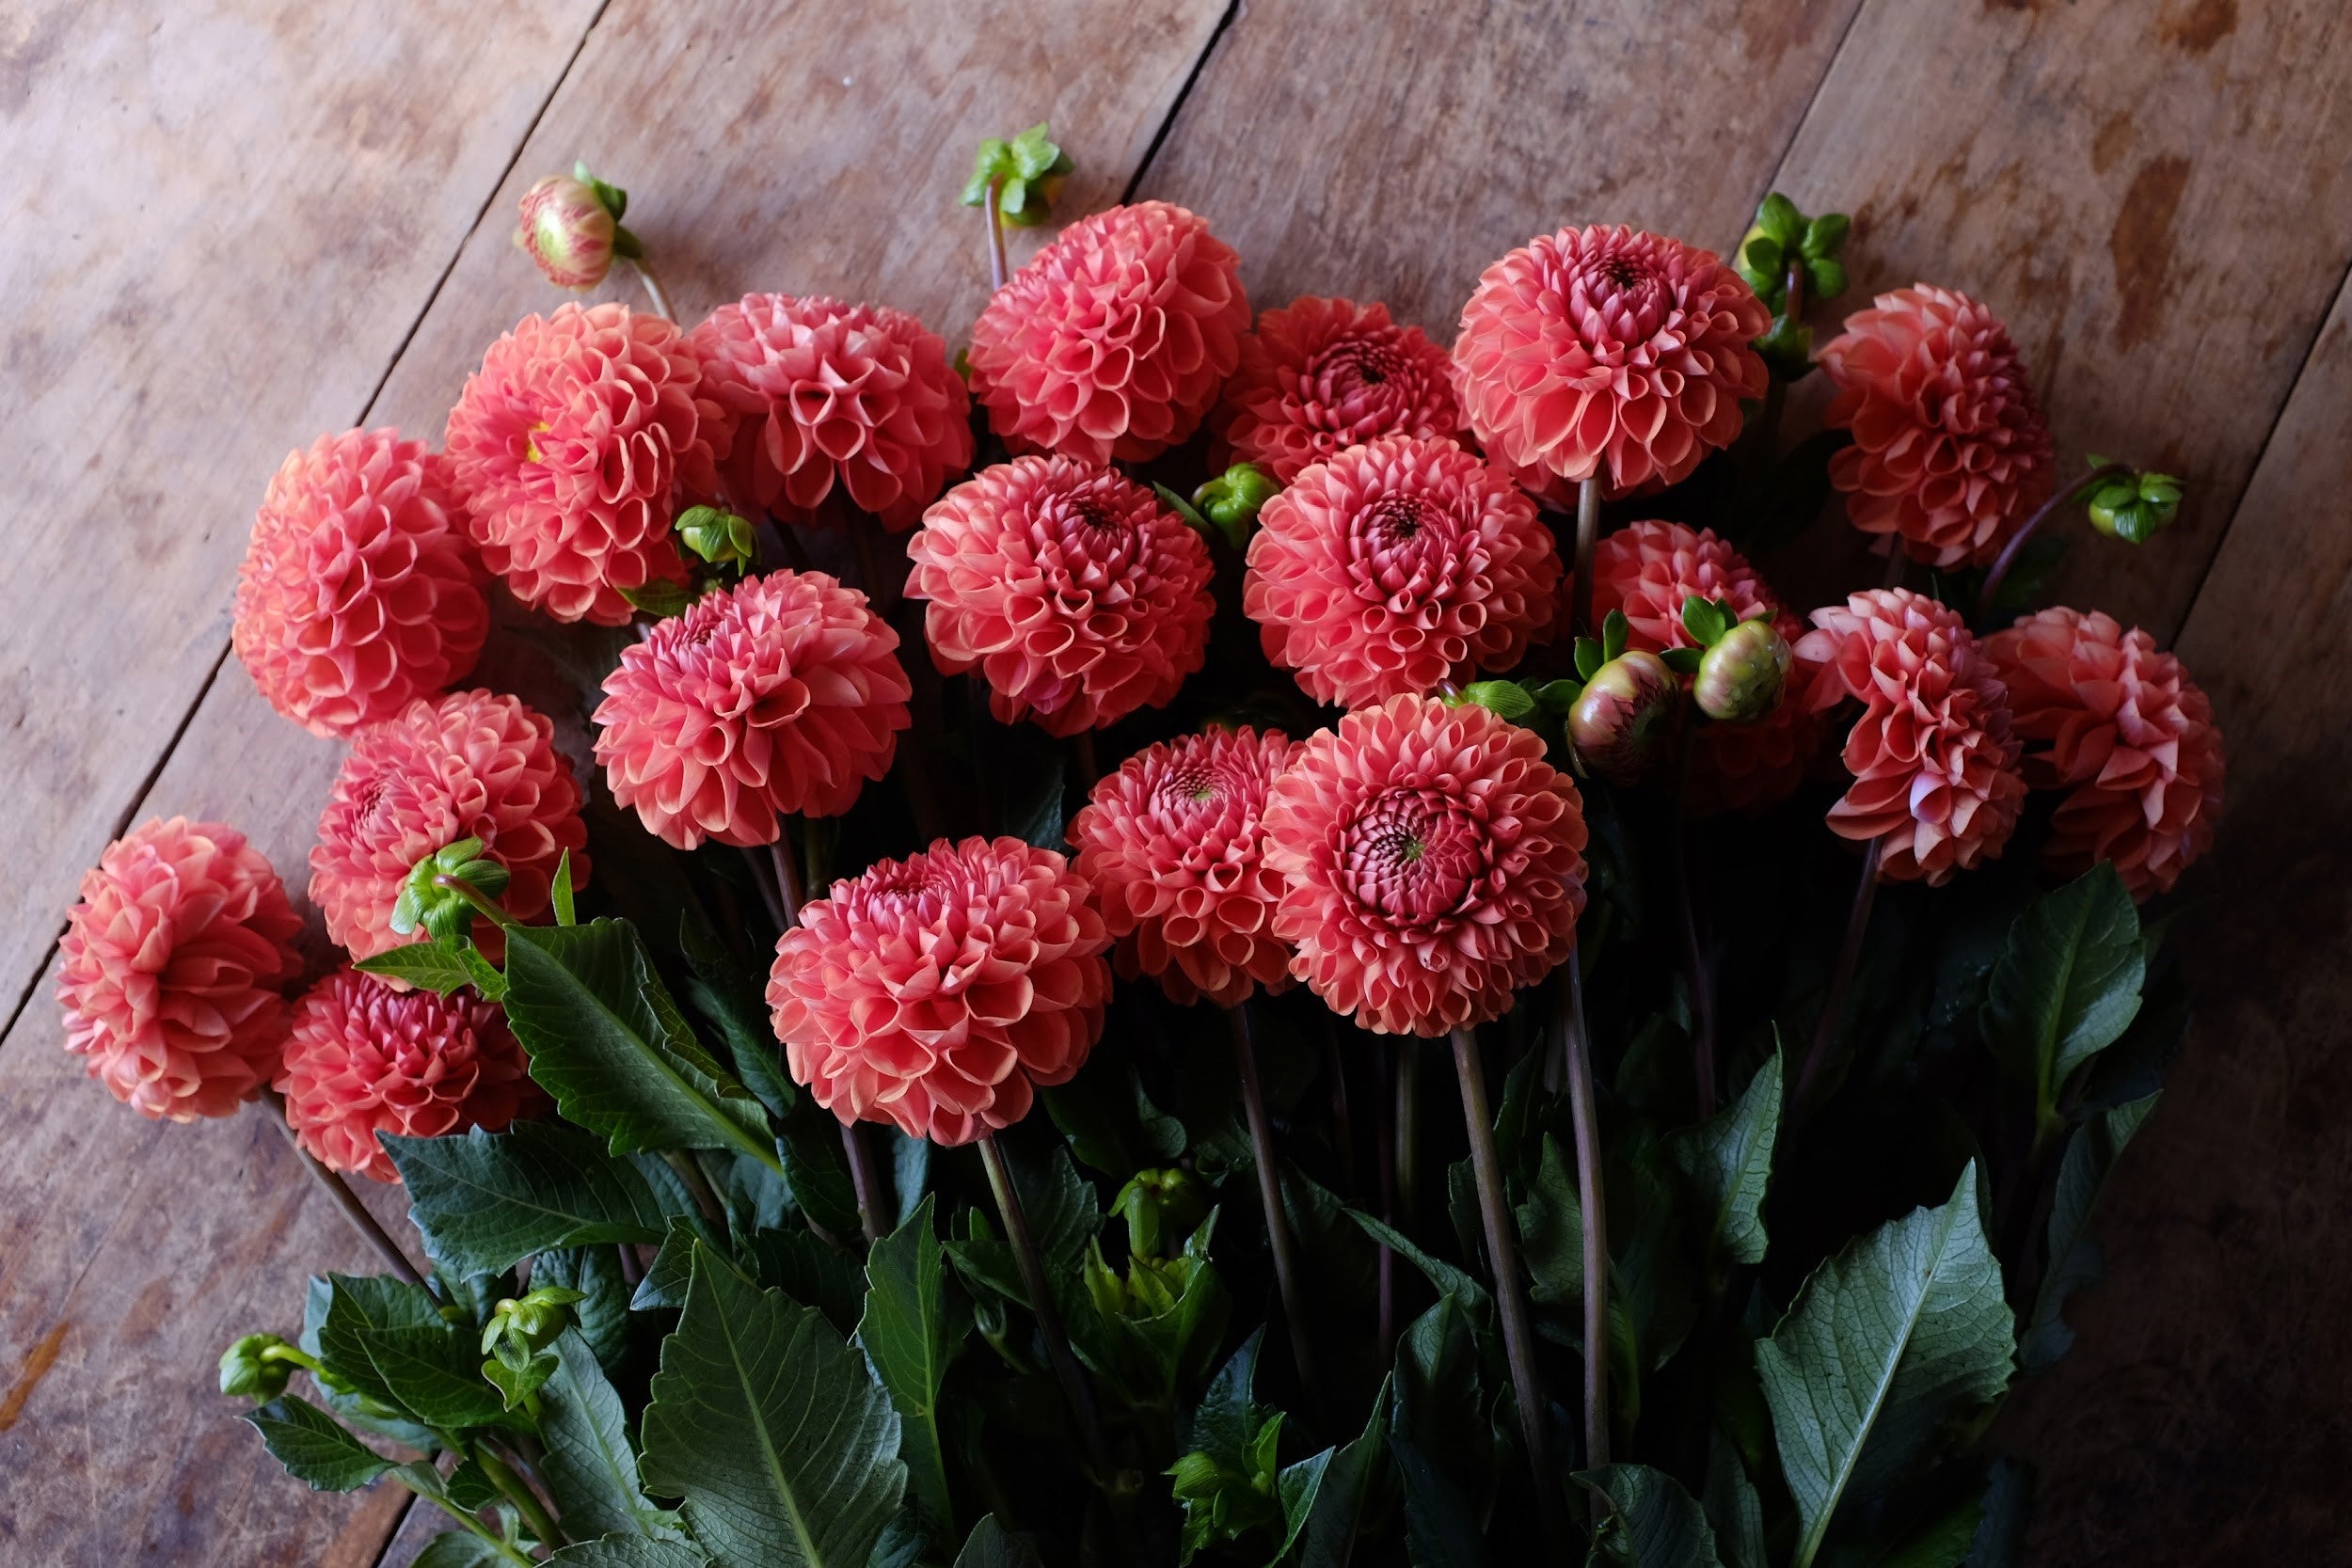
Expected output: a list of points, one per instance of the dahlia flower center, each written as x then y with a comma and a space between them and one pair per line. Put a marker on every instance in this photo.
531, 444
1623, 298
1404, 548
1085, 542
1412, 855
1346, 370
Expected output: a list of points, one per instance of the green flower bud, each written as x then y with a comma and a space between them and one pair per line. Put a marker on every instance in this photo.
1233, 499
2135, 507
1027, 172
445, 911
259, 1366
1740, 678
1620, 723
719, 537
568, 230
1157, 1203
518, 1329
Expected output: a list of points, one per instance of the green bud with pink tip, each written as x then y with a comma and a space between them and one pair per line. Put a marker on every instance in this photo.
1740, 678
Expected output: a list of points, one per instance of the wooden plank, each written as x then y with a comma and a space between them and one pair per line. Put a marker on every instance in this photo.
220, 221
2207, 1398
2153, 196
1389, 153
809, 148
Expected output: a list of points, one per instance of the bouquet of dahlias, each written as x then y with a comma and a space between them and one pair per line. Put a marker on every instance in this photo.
993, 1104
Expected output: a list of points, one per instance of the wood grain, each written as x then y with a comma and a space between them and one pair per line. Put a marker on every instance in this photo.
2201, 1416
2151, 194
220, 222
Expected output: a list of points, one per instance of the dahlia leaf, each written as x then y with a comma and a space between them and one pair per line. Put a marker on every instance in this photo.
560, 891
2074, 1258
607, 1042
457, 1548
435, 1375
1440, 1392
773, 1430
1615, 632
815, 1171
485, 1201
313, 1446
1733, 1508
624, 1551
1652, 1522
1779, 218
435, 966
1729, 1159
1440, 1531
1323, 1497
911, 1331
992, 1545
808, 1271
1449, 1280
1900, 1333
1683, 662
590, 1468
2067, 984
1552, 1231
601, 1314
1825, 235
729, 999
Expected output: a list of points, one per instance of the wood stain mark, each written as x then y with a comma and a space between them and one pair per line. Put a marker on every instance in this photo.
2140, 245
37, 1366
2203, 25
2113, 140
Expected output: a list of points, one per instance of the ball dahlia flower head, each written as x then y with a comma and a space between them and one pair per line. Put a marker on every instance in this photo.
471, 765
1069, 587
1173, 843
2118, 724
1648, 571
1951, 452
360, 591
939, 992
570, 446
1609, 353
1320, 375
818, 397
1398, 565
172, 967
1433, 863
1933, 755
779, 696
363, 1057
1112, 342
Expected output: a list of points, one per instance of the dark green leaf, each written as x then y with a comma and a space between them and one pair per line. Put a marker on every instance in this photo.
2068, 983
560, 892
2008, 1506
457, 1548
1226, 1419
817, 1171
1449, 1280
1111, 1124
2073, 1255
313, 1446
1943, 1542
358, 1306
590, 1466
1733, 1508
469, 1487
808, 1271
1439, 1531
436, 966
666, 1277
910, 1333
1552, 1231
1902, 1331
1729, 1161
486, 1201
607, 1042
1323, 1497
659, 597
1439, 1403
435, 1375
992, 1545
901, 1542
731, 1000
623, 1551
771, 1428
1652, 1523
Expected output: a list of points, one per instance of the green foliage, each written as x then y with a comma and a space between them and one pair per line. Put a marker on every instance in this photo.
1228, 1480
1652, 1522
1027, 170
1729, 1161
591, 1467
912, 1325
486, 1201
2074, 1258
313, 1446
2067, 986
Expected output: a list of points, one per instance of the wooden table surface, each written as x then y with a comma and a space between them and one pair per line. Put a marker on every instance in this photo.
226, 225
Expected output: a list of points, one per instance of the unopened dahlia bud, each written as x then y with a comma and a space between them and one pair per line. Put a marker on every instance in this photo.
1158, 1203
259, 1367
568, 231
1027, 170
2133, 507
519, 1329
719, 537
1742, 676
428, 899
1619, 725
1232, 500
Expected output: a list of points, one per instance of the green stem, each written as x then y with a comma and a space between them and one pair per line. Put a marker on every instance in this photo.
526, 1501
1270, 1197
2007, 558
1584, 1112
489, 908
654, 291
496, 1544
697, 1185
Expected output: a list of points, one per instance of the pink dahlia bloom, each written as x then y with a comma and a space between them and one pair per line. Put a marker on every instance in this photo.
171, 967
1949, 448
1173, 846
817, 394
1112, 342
1934, 761
935, 992
1433, 863
569, 446
1395, 566
1077, 596
364, 1058
471, 765
1321, 375
2122, 729
360, 592
1647, 570
780, 696
1609, 352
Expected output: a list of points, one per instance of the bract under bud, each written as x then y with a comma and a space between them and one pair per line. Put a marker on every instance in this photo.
1233, 499
1619, 725
2134, 507
1156, 1203
444, 912
1740, 678
259, 1367
717, 536
568, 232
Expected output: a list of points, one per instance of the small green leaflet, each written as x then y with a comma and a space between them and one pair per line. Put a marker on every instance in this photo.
313, 1446
590, 1466
441, 966
1729, 1160
992, 1545
1652, 1523
560, 892
1324, 1497
2067, 984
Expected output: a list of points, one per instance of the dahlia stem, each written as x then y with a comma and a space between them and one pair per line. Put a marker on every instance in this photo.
764, 880
1694, 954
1041, 1303
1587, 537
1584, 1112
1081, 753
697, 1184
1518, 1336
865, 1181
879, 590
1343, 1124
998, 271
491, 909
518, 1492
1407, 1134
340, 1190
1897, 562
654, 293
788, 877
491, 1538
1278, 1229
1841, 978
1384, 1141
2007, 558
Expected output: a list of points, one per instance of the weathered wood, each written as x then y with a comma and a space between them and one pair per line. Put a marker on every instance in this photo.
1389, 153
2152, 196
219, 223
2200, 1415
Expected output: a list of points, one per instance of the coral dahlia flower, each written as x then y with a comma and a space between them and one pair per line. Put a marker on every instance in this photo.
1933, 760
2123, 730
360, 591
171, 966
1609, 352
781, 695
569, 445
1174, 848
471, 765
1320, 375
1433, 863
1112, 342
936, 992
1076, 595
1949, 448
364, 1058
1647, 570
1398, 565
817, 393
